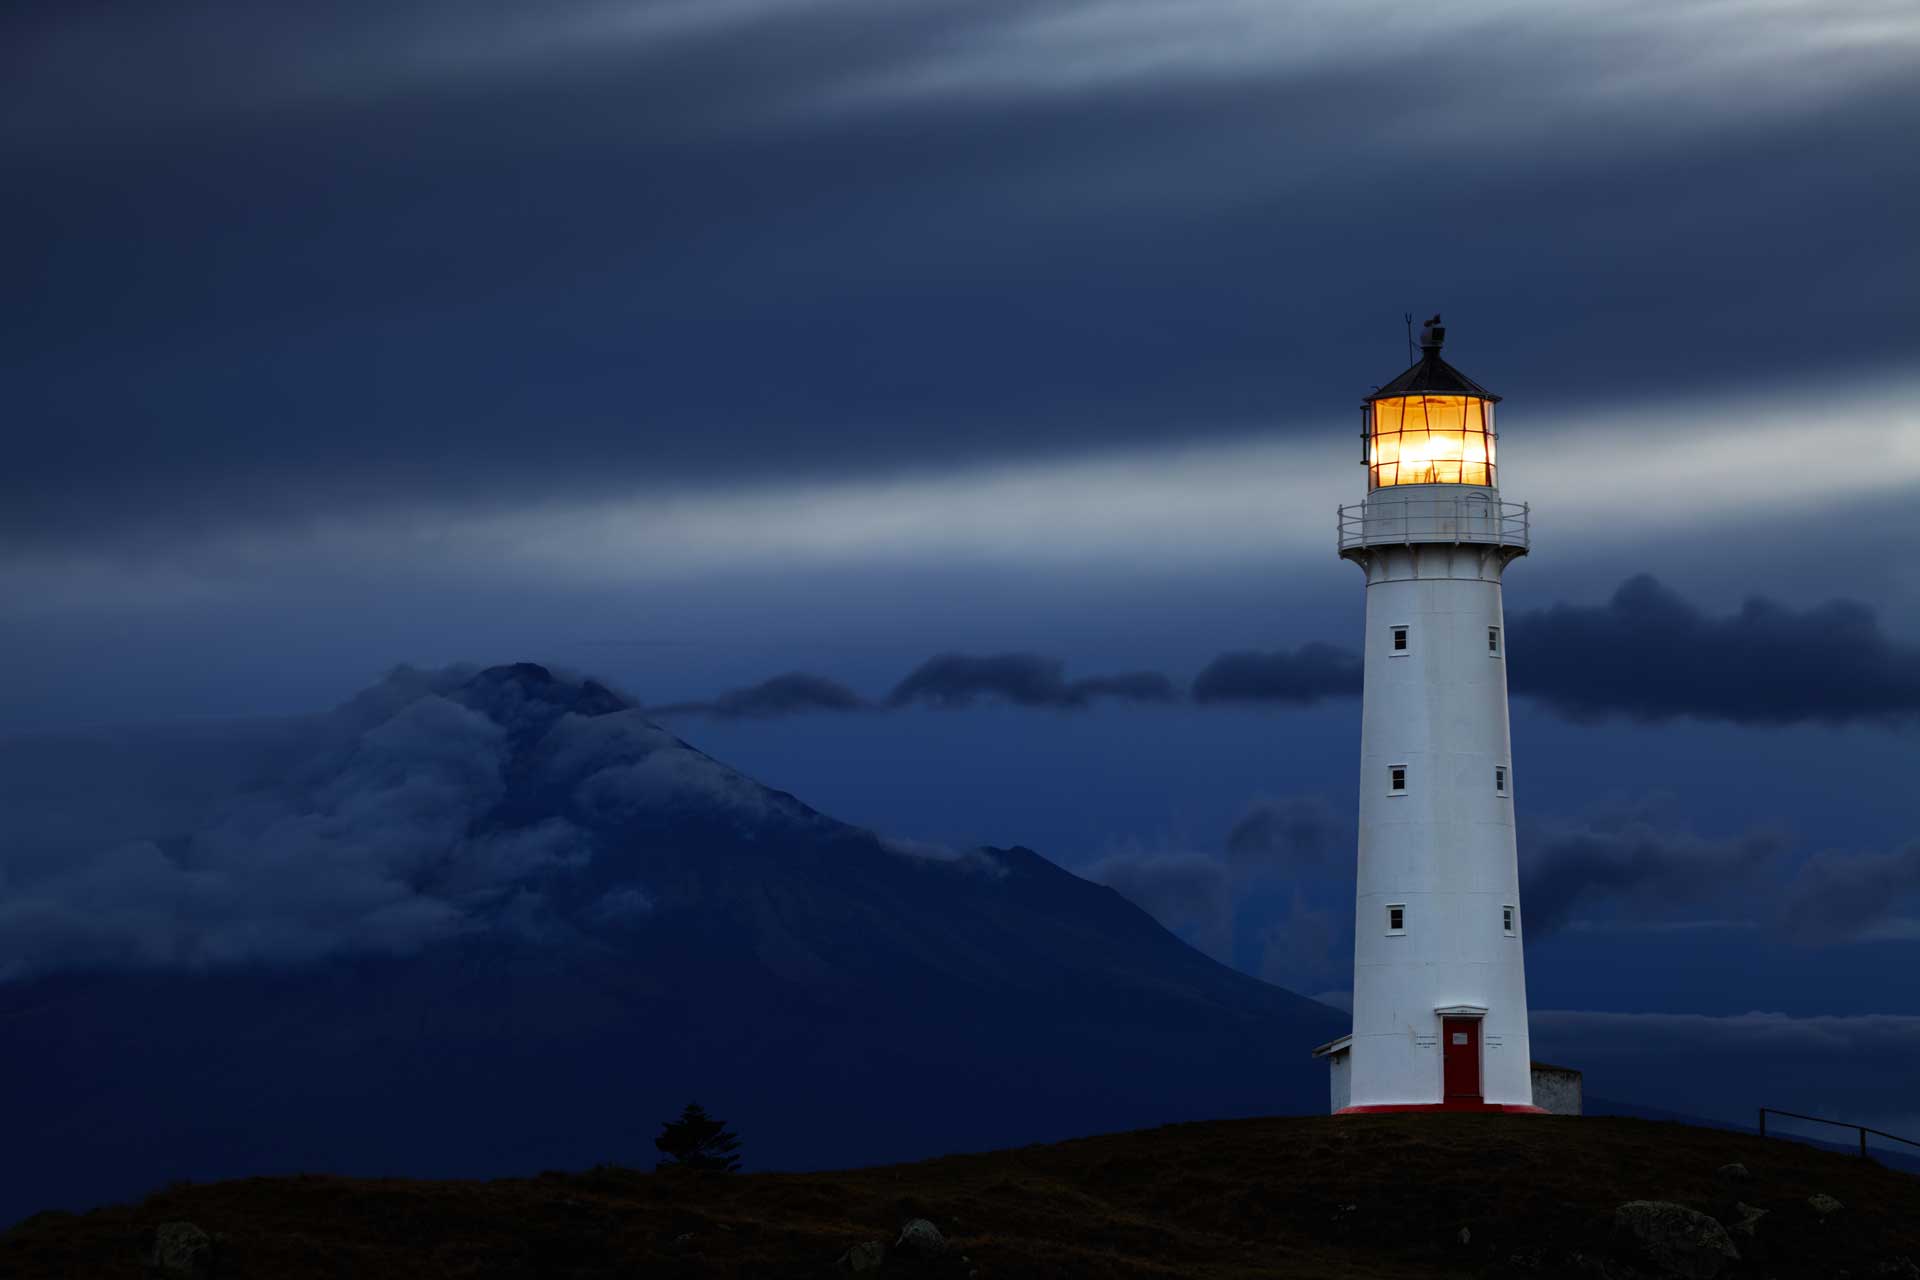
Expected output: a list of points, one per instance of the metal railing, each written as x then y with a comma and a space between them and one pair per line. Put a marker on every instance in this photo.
1476, 519
1839, 1124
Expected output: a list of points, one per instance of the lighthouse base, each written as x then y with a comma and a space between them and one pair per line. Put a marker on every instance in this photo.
1513, 1108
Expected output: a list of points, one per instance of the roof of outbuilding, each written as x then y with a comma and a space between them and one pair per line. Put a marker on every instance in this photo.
1339, 1044
1432, 376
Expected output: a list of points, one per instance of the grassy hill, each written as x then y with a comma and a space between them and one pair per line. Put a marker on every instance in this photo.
1306, 1196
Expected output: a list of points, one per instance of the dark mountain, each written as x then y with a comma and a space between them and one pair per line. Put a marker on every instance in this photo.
477, 924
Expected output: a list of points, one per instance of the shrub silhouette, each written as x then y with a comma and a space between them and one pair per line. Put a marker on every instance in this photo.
698, 1141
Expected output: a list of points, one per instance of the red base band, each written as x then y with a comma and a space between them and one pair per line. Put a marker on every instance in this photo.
1485, 1107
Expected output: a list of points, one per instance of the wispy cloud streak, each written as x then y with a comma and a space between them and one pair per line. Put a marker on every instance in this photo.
1609, 482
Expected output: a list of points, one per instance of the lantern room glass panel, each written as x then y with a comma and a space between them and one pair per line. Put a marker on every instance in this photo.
1424, 439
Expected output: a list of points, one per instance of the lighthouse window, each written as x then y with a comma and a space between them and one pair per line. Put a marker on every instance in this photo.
1399, 639
1397, 779
1430, 439
1397, 918
1500, 779
1506, 919
1493, 642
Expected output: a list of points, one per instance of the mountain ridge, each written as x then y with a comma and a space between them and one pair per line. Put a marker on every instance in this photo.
486, 921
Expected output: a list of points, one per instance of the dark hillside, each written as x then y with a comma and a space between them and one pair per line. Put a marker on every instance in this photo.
1355, 1196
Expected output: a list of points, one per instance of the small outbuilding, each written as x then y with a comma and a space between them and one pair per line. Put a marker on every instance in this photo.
1339, 1056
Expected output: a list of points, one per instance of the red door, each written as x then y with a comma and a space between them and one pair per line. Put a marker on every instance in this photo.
1461, 1054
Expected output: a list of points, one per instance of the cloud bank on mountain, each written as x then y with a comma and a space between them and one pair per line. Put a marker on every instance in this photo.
383, 827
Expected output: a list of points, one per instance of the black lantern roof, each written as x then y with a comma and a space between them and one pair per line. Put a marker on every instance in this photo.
1432, 376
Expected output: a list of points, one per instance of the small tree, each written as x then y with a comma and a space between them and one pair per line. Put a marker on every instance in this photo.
697, 1141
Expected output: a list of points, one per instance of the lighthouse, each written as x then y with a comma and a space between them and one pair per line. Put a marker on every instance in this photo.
1439, 984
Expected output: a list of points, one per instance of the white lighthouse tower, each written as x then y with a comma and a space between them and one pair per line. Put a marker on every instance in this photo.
1439, 987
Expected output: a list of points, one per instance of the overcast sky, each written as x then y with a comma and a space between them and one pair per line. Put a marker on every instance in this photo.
697, 343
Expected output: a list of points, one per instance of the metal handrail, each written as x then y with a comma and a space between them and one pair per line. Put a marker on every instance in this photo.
1839, 1124
1473, 520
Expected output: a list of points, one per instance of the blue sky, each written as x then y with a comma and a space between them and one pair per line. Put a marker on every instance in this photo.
692, 344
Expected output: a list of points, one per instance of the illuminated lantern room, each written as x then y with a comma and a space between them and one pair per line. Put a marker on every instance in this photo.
1431, 425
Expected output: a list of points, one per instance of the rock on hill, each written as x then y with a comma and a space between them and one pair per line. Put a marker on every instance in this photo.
1402, 1196
473, 924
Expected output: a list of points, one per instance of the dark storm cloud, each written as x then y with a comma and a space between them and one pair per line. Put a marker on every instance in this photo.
1279, 840
1131, 686
283, 266
1838, 896
1308, 947
1200, 897
1024, 679
1632, 861
1189, 893
1651, 655
948, 680
1299, 829
1307, 674
788, 694
1663, 878
1646, 654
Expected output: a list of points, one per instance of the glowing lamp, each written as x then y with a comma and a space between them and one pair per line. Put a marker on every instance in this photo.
1431, 425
